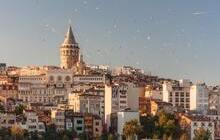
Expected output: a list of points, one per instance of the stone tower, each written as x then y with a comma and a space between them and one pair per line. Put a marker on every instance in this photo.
69, 51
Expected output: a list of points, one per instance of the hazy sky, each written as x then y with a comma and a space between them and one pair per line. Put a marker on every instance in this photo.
176, 39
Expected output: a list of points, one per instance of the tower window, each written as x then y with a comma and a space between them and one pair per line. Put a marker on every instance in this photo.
59, 78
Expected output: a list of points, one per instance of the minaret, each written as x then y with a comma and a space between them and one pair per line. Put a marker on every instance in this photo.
69, 51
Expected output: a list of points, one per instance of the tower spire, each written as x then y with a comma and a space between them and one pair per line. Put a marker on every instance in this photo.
69, 37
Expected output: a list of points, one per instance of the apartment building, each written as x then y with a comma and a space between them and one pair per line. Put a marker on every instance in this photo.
177, 93
74, 121
119, 97
199, 98
51, 87
58, 119
7, 120
84, 102
153, 92
123, 117
202, 122
32, 123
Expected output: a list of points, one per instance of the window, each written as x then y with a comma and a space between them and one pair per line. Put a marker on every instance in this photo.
123, 102
182, 94
177, 94
177, 99
171, 94
170, 100
79, 121
79, 128
51, 78
96, 123
59, 78
67, 78
182, 100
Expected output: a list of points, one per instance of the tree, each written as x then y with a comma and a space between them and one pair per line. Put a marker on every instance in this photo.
2, 109
131, 129
184, 136
19, 109
51, 133
34, 135
202, 134
82, 136
149, 127
17, 132
4, 133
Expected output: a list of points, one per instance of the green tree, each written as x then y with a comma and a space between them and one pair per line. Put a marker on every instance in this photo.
131, 129
19, 109
202, 134
65, 137
51, 133
149, 127
34, 135
2, 109
82, 136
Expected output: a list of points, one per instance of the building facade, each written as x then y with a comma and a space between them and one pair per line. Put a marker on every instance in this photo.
199, 98
177, 93
52, 87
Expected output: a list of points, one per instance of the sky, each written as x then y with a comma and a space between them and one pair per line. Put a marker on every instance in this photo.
171, 39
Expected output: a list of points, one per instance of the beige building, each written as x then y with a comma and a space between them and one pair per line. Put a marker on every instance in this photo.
51, 87
157, 106
70, 54
85, 103
69, 51
177, 93
153, 92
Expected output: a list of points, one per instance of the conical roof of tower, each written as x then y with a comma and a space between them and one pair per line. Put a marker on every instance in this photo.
69, 37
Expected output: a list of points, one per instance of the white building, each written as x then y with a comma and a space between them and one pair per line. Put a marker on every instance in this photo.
214, 100
74, 121
204, 123
123, 117
127, 70
199, 98
7, 120
85, 103
119, 97
177, 93
32, 122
